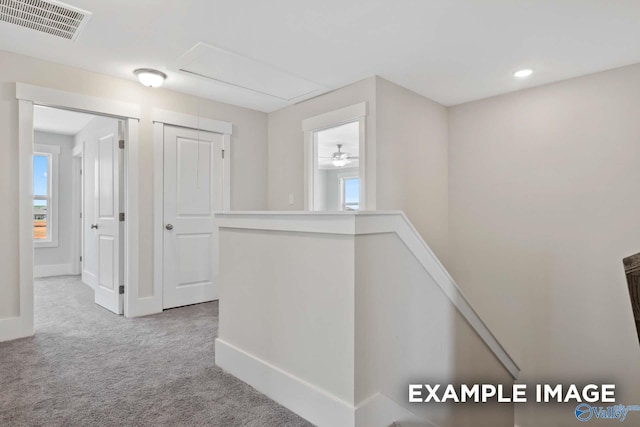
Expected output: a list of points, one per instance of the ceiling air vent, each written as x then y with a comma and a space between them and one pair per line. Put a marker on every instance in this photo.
50, 17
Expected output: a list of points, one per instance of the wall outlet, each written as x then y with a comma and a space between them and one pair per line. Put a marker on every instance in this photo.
291, 199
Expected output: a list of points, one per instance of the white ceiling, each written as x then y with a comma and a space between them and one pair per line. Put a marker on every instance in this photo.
451, 51
54, 120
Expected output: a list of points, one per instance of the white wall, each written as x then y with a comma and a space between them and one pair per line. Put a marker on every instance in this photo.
412, 140
408, 134
410, 331
544, 205
325, 312
286, 139
63, 253
288, 309
249, 153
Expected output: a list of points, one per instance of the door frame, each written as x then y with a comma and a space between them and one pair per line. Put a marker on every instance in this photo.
27, 96
162, 118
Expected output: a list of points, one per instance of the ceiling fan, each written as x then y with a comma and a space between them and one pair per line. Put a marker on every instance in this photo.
340, 158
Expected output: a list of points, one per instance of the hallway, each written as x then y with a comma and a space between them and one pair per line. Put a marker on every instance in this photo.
86, 366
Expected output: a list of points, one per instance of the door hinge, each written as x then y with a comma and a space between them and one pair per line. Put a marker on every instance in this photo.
80, 214
122, 144
121, 289
80, 258
223, 154
80, 171
121, 216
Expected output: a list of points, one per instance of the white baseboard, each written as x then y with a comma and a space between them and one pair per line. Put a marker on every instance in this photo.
52, 270
13, 328
311, 403
144, 307
381, 411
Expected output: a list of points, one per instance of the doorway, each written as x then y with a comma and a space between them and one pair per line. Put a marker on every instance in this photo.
192, 194
29, 96
339, 168
192, 157
336, 174
78, 188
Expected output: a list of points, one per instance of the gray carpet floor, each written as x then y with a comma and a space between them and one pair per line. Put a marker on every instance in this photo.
88, 367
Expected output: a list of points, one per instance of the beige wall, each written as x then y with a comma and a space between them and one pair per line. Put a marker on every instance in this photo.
411, 150
407, 330
544, 204
249, 166
286, 139
278, 310
407, 136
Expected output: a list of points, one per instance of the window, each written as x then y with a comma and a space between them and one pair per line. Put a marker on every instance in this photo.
45, 164
350, 194
41, 195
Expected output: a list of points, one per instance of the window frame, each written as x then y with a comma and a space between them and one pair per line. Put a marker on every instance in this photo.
52, 152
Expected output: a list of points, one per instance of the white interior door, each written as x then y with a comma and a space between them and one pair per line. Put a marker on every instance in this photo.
192, 194
103, 237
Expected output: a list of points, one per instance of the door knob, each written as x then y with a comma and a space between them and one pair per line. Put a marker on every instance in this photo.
94, 226
169, 227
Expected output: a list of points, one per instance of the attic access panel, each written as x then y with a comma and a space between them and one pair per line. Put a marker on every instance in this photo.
632, 271
222, 66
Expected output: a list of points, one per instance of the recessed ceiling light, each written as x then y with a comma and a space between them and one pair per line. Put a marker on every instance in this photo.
149, 77
523, 73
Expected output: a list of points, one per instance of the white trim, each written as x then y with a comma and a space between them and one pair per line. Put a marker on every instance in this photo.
76, 210
335, 117
192, 122
12, 328
315, 405
133, 304
154, 303
75, 101
24, 327
329, 222
423, 253
77, 151
226, 173
46, 148
309, 162
362, 223
52, 270
27, 95
367, 163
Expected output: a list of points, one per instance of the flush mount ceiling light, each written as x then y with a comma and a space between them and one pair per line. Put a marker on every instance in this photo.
521, 74
149, 77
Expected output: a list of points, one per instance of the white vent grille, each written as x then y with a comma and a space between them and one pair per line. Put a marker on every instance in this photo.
50, 17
